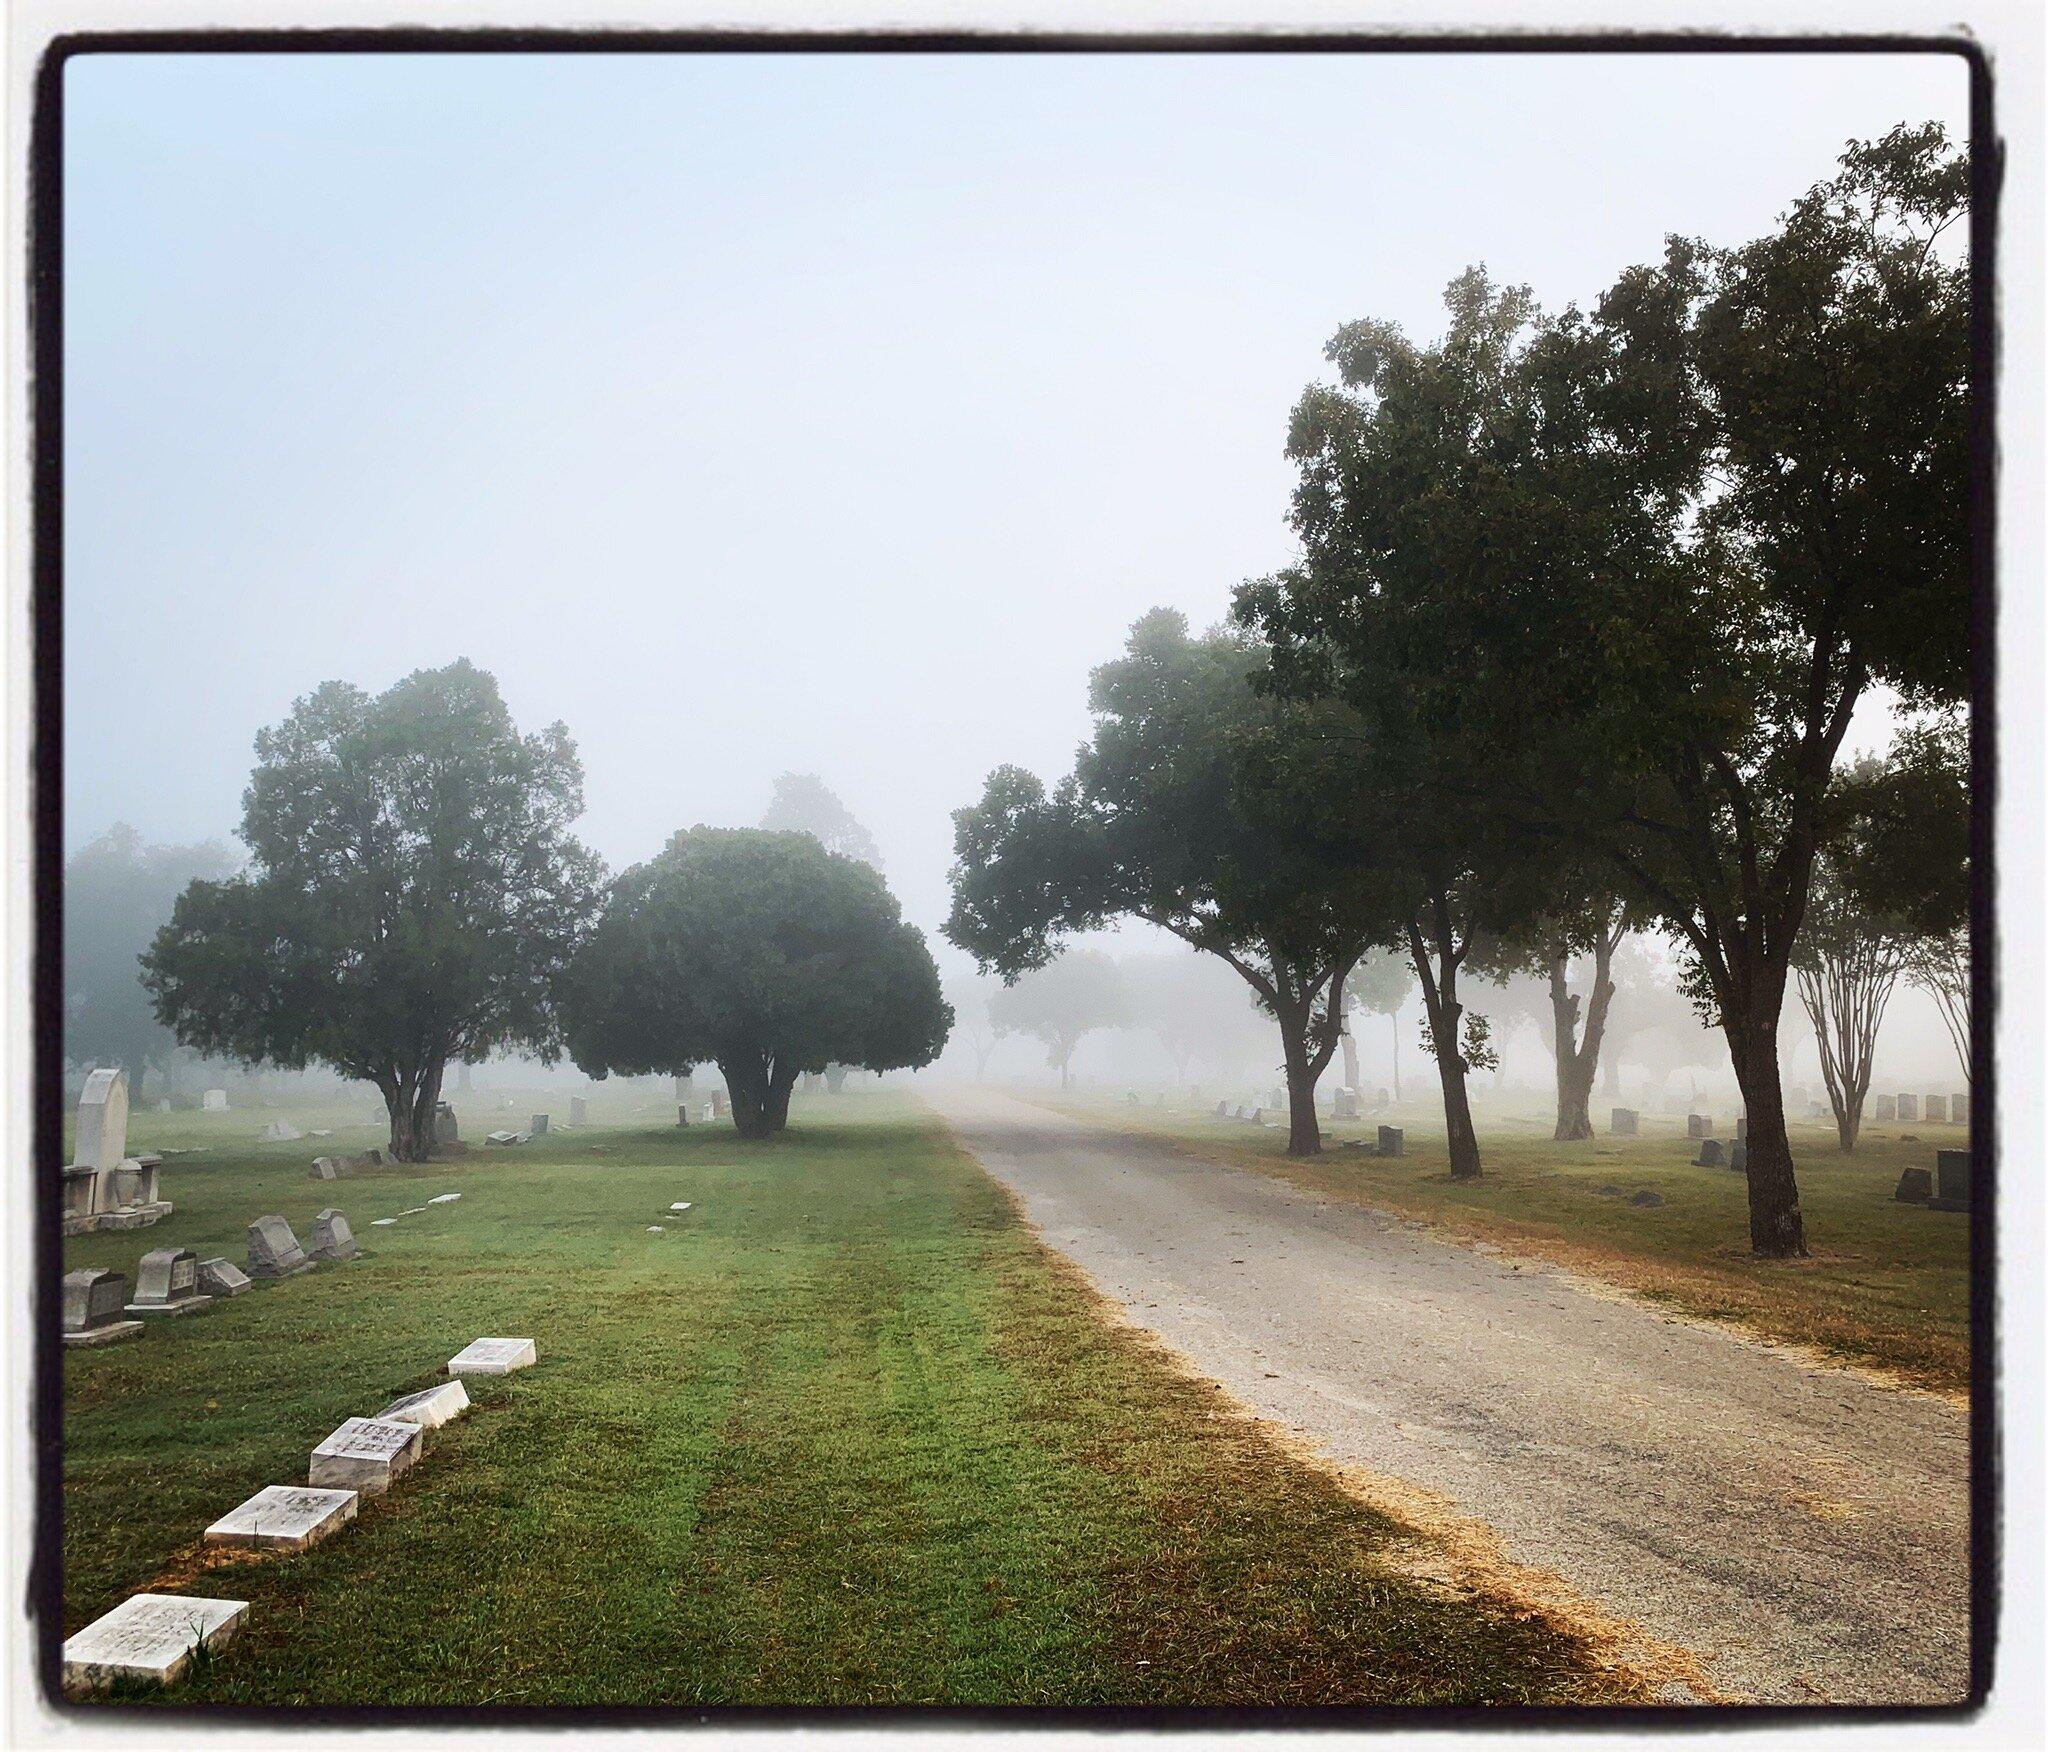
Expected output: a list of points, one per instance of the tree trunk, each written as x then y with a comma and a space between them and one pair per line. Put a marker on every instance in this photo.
1574, 1090
746, 1083
1438, 976
410, 1099
1304, 1131
137, 1068
1776, 1228
1394, 1022
1350, 1056
775, 1110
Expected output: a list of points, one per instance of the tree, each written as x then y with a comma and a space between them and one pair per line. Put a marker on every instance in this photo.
1196, 1008
762, 953
972, 1022
804, 803
1063, 1002
1847, 963
1192, 807
118, 893
1660, 551
1379, 986
1591, 926
414, 895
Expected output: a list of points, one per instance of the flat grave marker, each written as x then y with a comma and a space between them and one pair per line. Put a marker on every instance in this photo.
149, 1636
493, 1356
430, 1408
220, 1277
365, 1454
443, 1198
285, 1517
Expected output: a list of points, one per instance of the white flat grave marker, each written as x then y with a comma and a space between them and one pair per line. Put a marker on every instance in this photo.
413, 1211
285, 1517
685, 1205
149, 1636
445, 1198
429, 1408
365, 1454
382, 1222
493, 1356
656, 1229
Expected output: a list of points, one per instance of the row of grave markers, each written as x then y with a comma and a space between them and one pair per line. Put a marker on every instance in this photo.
155, 1636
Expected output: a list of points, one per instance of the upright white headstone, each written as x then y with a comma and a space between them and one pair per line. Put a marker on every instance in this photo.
214, 1101
103, 1120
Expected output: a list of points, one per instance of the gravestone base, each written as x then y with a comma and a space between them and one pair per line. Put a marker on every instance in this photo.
183, 1305
111, 1333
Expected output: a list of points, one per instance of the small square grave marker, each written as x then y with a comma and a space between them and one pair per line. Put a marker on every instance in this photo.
538, 1125
365, 1454
1624, 1122
685, 1205
149, 1636
285, 1517
220, 1277
1390, 1140
430, 1408
493, 1356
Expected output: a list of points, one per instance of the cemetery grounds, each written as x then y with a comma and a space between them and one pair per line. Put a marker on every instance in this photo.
843, 1433
1886, 1288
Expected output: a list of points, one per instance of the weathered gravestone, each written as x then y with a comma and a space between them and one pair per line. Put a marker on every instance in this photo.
217, 1277
1937, 1110
1959, 1110
332, 1237
274, 1251
1223, 1110
1697, 1125
279, 1131
444, 1198
502, 1138
1742, 1128
493, 1356
1391, 1140
579, 1110
718, 1104
1738, 1156
328, 1167
1909, 1109
446, 1131
214, 1101
1710, 1154
1916, 1186
1347, 1106
682, 1113
1624, 1122
104, 1187
365, 1454
285, 1517
149, 1636
167, 1282
94, 1302
538, 1125
1951, 1181
430, 1408
102, 1121
1886, 1109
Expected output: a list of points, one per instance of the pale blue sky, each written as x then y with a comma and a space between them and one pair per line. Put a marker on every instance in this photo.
758, 413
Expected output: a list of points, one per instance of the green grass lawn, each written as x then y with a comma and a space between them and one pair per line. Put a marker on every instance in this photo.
844, 1434
1888, 1284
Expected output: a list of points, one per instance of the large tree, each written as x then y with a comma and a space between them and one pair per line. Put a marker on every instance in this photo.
1379, 986
413, 896
1189, 807
118, 893
1658, 552
1583, 934
760, 952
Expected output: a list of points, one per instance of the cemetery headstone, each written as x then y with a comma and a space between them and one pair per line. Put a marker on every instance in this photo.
1645, 1199
218, 1277
493, 1356
1710, 1154
327, 1168
1937, 1110
444, 1198
167, 1282
1696, 1125
365, 1454
1959, 1110
103, 1121
1951, 1181
1887, 1109
502, 1138
94, 1302
285, 1517
332, 1238
1347, 1103
1223, 1110
682, 1113
274, 1251
279, 1131
446, 1131
163, 1104
579, 1110
683, 1206
538, 1125
1738, 1156
1916, 1186
149, 1636
1909, 1109
430, 1408
1624, 1122
1391, 1140
214, 1101
718, 1104
1742, 1128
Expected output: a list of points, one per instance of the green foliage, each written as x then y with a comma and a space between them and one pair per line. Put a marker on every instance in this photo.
762, 952
414, 894
1062, 1002
118, 893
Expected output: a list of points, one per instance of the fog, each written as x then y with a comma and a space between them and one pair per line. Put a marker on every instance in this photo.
819, 415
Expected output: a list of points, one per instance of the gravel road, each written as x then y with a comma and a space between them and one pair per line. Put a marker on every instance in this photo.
1802, 1531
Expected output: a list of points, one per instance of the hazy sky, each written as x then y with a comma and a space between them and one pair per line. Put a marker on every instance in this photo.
764, 413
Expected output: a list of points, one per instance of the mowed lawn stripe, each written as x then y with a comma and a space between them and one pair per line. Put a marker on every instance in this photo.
844, 1433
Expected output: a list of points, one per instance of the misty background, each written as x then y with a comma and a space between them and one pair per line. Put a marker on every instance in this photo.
818, 414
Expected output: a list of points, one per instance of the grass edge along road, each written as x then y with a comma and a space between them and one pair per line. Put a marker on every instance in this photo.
845, 1433
1885, 1292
